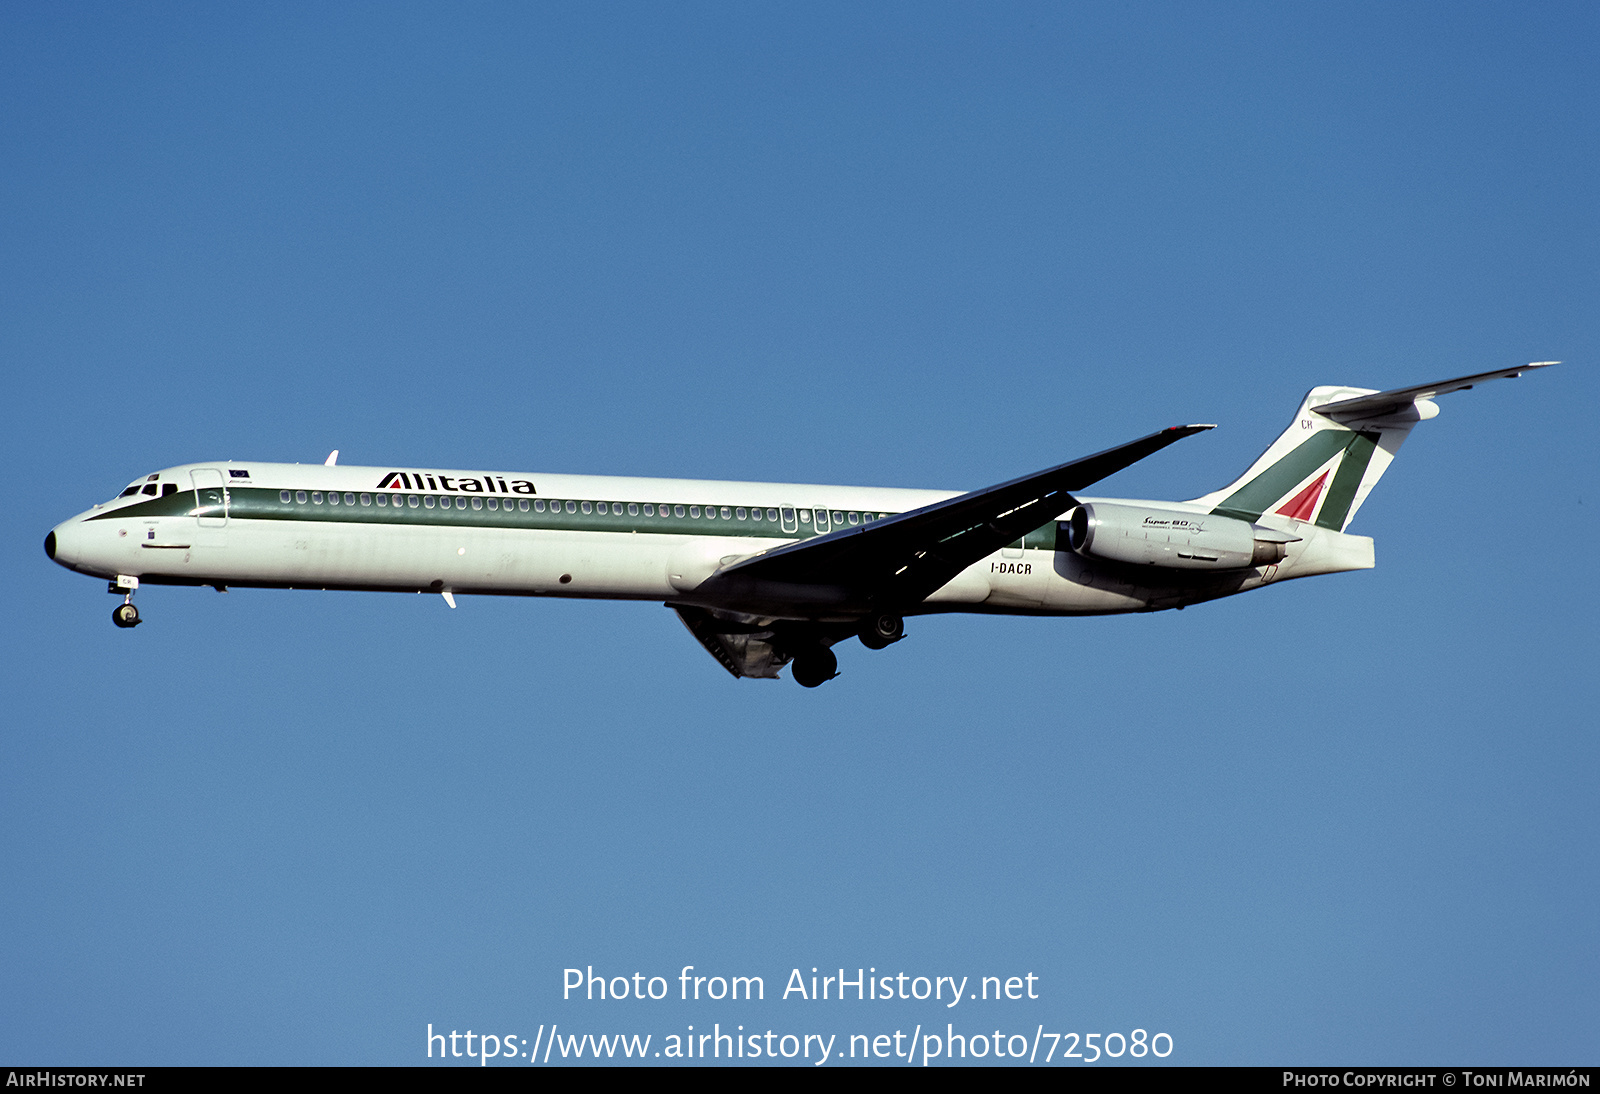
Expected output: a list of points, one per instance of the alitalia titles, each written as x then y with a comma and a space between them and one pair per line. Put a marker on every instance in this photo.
438, 481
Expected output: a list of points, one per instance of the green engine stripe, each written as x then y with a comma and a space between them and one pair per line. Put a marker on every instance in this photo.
1272, 485
1346, 481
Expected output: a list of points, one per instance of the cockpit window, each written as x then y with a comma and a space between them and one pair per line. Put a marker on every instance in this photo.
130, 491
150, 489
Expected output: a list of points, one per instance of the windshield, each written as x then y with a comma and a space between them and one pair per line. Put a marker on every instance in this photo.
147, 485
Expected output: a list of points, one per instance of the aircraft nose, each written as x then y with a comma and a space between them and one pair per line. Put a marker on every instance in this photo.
64, 544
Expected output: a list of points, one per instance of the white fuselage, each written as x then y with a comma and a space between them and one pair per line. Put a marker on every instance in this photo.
331, 527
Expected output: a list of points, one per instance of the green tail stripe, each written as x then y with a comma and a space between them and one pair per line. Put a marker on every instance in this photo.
1252, 499
1345, 481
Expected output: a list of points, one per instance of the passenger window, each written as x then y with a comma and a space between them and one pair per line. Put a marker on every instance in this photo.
366, 499
572, 507
694, 510
587, 508
523, 505
283, 496
677, 510
316, 497
727, 514
333, 499
805, 516
772, 514
740, 512
602, 507
383, 499
649, 510
349, 499
477, 503
461, 503
494, 503
429, 500
300, 497
633, 509
838, 517
412, 500
855, 518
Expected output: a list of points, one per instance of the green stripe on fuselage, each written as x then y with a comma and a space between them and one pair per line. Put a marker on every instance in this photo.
256, 503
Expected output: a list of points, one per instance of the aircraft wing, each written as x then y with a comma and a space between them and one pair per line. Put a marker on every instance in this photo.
899, 560
1385, 402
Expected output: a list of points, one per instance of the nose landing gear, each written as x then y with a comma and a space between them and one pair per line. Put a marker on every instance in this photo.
125, 614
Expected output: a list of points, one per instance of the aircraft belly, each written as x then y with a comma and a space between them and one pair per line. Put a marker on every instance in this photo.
970, 586
1076, 585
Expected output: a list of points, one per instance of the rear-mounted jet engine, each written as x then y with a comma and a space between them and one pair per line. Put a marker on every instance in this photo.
1165, 537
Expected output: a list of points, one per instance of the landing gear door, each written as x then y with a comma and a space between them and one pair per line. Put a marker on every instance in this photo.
210, 497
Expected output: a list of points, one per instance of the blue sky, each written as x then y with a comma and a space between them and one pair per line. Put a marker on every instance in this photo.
1348, 819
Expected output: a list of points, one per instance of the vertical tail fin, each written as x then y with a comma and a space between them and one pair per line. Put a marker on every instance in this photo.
1339, 445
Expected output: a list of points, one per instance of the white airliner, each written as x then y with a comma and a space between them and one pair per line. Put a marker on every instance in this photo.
766, 573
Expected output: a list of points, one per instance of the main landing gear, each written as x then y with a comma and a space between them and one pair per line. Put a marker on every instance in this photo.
816, 664
815, 667
881, 630
125, 614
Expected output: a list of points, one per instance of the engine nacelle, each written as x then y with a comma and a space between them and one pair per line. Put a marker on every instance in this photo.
1170, 539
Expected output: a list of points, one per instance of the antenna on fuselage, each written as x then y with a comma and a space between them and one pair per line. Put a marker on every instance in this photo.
333, 458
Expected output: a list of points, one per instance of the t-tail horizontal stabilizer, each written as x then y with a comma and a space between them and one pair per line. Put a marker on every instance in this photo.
1381, 403
1340, 443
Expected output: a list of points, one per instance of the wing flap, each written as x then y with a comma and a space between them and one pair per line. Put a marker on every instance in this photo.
742, 650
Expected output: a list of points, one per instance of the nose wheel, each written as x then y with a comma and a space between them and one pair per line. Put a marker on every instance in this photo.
125, 614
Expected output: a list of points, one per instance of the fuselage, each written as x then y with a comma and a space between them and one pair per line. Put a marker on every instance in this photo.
312, 526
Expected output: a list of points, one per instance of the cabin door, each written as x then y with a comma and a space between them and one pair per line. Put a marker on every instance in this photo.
210, 497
